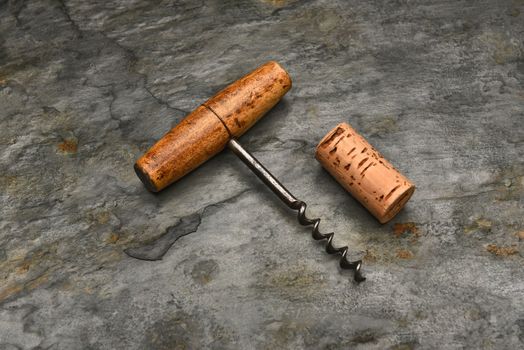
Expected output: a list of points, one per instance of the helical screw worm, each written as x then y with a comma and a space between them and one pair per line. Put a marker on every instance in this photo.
330, 248
263, 174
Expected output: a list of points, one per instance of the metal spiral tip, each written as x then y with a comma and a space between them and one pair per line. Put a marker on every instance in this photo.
263, 174
330, 248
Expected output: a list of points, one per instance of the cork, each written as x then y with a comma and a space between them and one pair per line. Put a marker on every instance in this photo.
364, 172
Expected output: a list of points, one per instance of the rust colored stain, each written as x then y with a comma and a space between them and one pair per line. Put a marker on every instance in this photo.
113, 238
103, 217
520, 235
370, 256
24, 267
68, 146
18, 288
11, 290
410, 227
276, 3
404, 254
502, 251
480, 224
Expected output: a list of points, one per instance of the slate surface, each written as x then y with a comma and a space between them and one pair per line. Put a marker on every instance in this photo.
87, 86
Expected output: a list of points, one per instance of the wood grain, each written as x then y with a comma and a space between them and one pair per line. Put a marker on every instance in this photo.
194, 140
206, 131
245, 101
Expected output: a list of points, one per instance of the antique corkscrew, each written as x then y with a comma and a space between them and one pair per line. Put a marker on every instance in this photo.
296, 204
219, 121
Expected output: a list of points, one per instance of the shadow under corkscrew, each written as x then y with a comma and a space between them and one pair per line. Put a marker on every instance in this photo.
263, 174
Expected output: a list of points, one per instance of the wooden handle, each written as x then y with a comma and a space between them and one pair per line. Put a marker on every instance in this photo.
362, 171
245, 101
206, 130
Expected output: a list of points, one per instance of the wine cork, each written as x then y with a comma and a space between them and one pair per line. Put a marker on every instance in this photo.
364, 172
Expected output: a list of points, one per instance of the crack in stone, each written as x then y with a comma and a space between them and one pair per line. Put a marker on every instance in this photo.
156, 249
15, 7
63, 7
111, 113
132, 58
158, 99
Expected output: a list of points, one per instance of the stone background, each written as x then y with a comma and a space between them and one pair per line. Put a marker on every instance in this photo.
87, 86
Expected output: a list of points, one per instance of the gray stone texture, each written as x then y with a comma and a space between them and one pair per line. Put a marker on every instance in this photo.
87, 86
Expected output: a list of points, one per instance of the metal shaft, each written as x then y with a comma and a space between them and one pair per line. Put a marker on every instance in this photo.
292, 202
262, 173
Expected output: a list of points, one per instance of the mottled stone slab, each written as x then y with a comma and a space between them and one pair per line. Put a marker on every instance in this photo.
86, 87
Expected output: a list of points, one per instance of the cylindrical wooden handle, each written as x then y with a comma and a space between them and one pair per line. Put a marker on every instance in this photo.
206, 130
362, 171
242, 103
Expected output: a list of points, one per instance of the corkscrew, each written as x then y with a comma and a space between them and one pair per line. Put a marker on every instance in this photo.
221, 120
293, 203
211, 127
